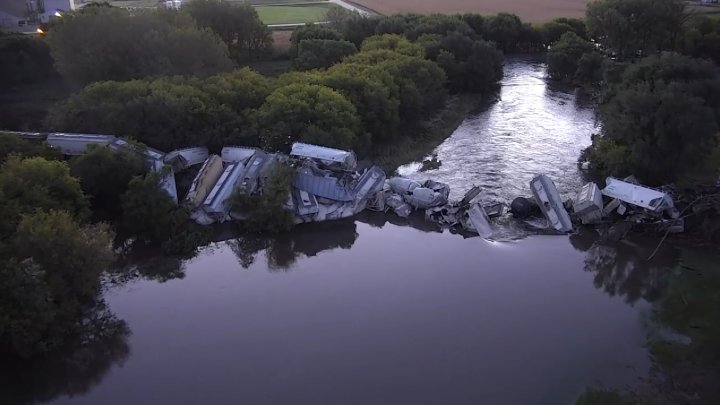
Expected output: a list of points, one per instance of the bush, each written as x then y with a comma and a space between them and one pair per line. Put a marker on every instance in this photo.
237, 24
322, 53
564, 56
104, 174
265, 212
308, 113
11, 144
25, 59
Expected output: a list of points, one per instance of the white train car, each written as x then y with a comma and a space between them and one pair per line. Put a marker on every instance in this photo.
216, 204
184, 158
234, 154
76, 144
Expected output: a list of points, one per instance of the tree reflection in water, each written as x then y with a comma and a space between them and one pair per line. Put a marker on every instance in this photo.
307, 240
101, 342
416, 220
146, 262
621, 268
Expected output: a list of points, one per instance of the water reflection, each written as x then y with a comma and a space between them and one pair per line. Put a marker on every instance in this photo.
416, 220
621, 268
74, 371
148, 263
306, 240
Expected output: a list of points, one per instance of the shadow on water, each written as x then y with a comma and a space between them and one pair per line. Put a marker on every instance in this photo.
73, 371
621, 268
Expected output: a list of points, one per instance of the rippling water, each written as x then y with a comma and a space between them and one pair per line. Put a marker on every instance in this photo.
533, 128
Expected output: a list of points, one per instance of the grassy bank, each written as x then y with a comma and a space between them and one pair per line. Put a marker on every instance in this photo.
427, 135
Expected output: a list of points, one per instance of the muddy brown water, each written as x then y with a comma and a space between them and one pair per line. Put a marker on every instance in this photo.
381, 310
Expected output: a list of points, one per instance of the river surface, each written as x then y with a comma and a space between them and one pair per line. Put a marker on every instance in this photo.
382, 310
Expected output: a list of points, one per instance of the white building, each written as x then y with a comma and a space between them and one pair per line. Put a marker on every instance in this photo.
16, 14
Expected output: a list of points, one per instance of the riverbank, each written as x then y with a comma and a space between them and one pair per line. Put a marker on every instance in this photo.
419, 141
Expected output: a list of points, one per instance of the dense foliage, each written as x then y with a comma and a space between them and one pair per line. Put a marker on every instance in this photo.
661, 121
25, 59
32, 184
632, 28
167, 113
236, 23
660, 109
104, 174
565, 56
50, 261
11, 144
309, 113
143, 43
266, 211
322, 53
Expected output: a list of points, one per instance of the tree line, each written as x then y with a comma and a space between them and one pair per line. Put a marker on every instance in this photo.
342, 94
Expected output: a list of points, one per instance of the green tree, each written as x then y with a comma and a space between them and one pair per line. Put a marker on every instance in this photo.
418, 83
664, 114
635, 27
301, 77
312, 31
51, 280
322, 53
564, 56
147, 210
469, 65
438, 24
376, 105
166, 113
143, 43
236, 23
104, 174
241, 90
396, 24
11, 144
266, 211
505, 30
309, 113
590, 69
475, 21
35, 184
393, 42
26, 59
551, 31
701, 38
356, 27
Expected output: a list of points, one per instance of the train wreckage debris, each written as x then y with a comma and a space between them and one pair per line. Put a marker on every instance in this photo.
327, 185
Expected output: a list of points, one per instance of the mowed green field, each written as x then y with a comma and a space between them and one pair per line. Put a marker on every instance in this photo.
293, 14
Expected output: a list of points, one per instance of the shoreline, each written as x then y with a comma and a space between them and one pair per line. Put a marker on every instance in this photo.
430, 133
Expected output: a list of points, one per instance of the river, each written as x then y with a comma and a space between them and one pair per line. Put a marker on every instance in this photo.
379, 310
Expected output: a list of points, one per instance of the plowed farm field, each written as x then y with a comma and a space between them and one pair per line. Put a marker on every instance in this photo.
529, 10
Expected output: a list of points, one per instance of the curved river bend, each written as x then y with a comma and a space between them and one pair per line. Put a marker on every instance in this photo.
382, 311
